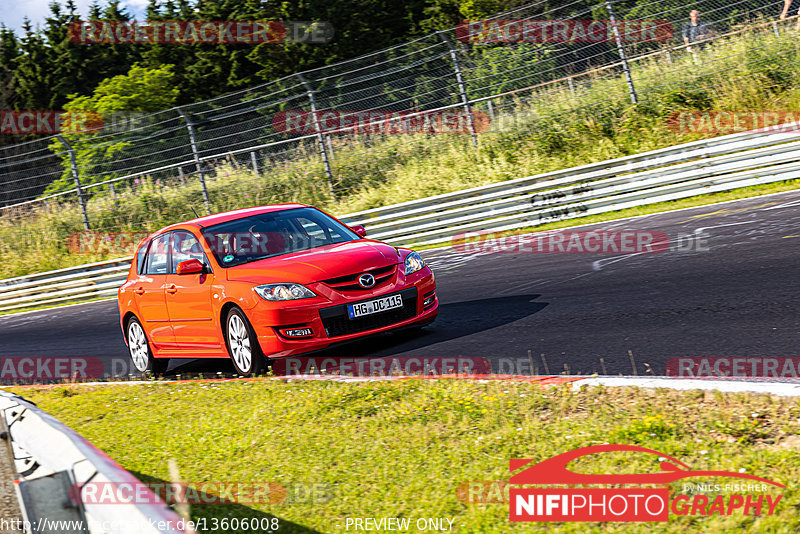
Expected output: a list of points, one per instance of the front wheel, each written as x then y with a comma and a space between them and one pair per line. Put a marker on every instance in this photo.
242, 344
139, 348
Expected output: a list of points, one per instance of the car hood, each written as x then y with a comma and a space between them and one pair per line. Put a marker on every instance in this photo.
322, 263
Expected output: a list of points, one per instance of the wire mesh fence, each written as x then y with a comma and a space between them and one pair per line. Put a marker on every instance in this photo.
534, 72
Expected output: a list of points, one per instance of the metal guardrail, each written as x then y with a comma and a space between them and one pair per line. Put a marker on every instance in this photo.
667, 174
706, 166
53, 465
72, 284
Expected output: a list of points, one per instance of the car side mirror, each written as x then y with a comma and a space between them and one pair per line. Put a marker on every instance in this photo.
190, 267
360, 230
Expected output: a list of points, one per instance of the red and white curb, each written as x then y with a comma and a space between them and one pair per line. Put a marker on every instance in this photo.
724, 385
784, 388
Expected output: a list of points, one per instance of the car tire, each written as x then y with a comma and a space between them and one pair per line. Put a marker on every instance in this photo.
242, 344
139, 350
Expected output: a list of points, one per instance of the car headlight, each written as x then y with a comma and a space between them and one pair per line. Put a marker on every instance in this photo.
414, 263
283, 292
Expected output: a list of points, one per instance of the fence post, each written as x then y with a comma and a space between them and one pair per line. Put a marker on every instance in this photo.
320, 138
621, 50
197, 162
330, 147
462, 88
254, 161
74, 166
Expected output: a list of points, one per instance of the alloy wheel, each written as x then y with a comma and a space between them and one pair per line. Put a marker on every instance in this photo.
239, 341
137, 344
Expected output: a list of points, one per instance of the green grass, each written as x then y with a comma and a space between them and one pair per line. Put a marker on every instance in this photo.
403, 448
537, 132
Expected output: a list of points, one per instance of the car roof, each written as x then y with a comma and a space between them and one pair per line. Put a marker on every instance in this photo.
217, 218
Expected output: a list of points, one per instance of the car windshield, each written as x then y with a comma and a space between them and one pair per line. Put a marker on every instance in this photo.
272, 234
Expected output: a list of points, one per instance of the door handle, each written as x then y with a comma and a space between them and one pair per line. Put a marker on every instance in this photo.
172, 289
139, 291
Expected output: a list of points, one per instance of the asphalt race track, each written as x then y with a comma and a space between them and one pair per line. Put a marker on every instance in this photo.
735, 292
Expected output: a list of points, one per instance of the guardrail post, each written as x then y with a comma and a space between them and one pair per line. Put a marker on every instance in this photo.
320, 138
197, 162
75, 176
462, 88
621, 49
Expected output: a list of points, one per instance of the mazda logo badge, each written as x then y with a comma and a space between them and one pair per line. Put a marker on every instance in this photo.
366, 280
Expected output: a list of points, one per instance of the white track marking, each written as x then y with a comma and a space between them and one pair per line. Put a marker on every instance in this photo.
786, 205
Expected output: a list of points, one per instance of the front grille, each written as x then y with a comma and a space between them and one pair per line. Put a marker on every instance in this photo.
349, 282
337, 323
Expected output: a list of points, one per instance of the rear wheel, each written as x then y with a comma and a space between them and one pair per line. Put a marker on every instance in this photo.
139, 348
242, 344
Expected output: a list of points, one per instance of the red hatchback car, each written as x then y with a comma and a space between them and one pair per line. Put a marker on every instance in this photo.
266, 282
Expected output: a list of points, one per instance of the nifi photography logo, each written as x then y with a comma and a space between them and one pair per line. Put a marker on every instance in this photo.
648, 504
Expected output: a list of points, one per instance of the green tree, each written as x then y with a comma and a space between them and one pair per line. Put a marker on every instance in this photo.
33, 71
9, 51
141, 91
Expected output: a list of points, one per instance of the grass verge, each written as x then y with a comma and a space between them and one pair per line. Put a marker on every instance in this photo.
403, 448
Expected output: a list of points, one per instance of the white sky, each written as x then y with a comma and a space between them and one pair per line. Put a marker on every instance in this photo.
12, 12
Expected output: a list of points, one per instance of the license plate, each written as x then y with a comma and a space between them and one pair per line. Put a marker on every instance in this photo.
374, 306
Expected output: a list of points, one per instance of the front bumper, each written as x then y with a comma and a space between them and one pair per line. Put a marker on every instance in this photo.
327, 316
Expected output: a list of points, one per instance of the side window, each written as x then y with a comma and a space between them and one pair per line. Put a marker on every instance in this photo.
318, 234
185, 246
141, 254
157, 261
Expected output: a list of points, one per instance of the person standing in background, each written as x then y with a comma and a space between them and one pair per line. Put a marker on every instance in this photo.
696, 30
